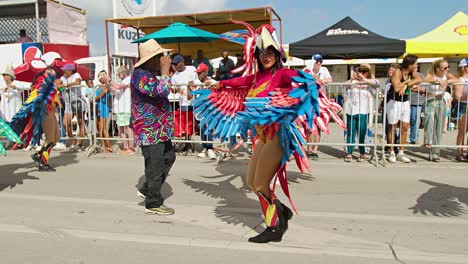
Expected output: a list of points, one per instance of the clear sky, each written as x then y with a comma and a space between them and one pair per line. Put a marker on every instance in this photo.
401, 19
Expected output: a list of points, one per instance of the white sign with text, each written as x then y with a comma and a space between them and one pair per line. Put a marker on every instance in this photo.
123, 36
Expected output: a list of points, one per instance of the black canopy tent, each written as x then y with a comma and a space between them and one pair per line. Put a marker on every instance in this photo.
347, 40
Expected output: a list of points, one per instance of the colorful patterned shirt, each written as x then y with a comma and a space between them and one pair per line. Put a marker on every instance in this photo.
151, 119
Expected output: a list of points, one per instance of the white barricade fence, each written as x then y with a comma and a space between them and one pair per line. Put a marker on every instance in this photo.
430, 106
360, 102
73, 117
91, 117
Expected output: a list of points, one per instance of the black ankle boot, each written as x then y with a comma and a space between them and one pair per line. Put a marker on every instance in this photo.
289, 214
284, 215
271, 234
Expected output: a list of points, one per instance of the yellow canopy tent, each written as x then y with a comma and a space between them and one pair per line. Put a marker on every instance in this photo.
215, 22
448, 40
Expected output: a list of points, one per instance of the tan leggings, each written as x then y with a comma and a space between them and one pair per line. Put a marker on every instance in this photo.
263, 165
50, 128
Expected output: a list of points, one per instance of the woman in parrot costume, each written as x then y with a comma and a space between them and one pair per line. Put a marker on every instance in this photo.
37, 117
275, 103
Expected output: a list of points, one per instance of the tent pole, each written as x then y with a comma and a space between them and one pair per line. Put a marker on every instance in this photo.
178, 45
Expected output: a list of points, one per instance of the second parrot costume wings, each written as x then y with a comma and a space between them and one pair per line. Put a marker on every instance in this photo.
6, 131
28, 120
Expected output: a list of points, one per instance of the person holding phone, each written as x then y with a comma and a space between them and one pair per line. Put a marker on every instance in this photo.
152, 122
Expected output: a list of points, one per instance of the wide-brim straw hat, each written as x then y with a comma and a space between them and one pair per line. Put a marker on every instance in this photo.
148, 50
9, 71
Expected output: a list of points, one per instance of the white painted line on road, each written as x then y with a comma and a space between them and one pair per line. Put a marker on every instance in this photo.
377, 252
17, 229
354, 216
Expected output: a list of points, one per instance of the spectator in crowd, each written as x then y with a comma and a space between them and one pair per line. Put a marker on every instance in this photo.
121, 107
436, 107
357, 107
60, 146
208, 152
322, 75
153, 123
239, 63
461, 96
202, 59
102, 108
23, 37
75, 105
89, 90
398, 106
386, 88
240, 60
11, 100
226, 65
182, 81
417, 100
448, 102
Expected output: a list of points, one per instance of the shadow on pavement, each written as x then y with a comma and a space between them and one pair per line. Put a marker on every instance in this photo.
166, 189
230, 196
441, 200
10, 178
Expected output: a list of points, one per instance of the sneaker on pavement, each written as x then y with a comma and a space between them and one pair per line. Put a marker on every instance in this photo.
403, 158
202, 154
161, 210
392, 158
435, 158
60, 147
28, 148
211, 154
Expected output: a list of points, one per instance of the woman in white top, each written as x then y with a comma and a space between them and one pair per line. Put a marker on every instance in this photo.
11, 100
461, 96
435, 105
357, 98
121, 107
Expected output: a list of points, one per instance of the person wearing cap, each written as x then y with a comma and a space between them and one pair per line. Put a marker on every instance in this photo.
10, 94
436, 107
152, 122
322, 75
398, 105
182, 80
461, 96
75, 104
226, 65
202, 59
207, 152
358, 98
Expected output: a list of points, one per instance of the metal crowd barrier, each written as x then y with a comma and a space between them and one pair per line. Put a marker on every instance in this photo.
81, 120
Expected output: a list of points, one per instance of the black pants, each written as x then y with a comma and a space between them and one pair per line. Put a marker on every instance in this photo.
159, 159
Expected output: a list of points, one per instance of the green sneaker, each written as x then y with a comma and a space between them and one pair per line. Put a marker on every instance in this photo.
161, 210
